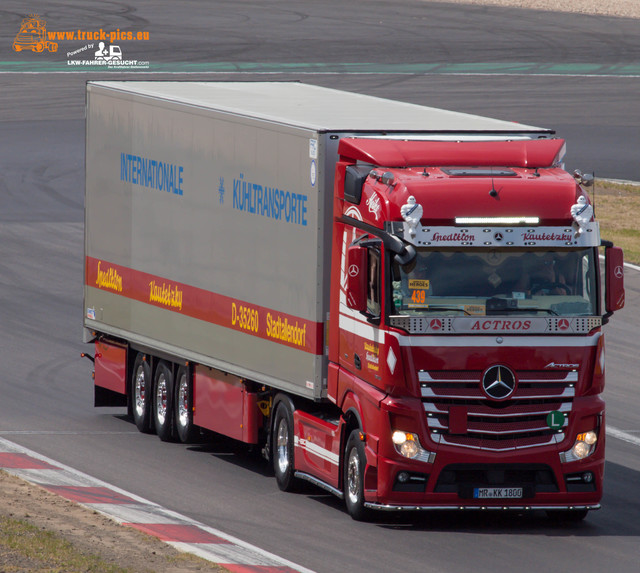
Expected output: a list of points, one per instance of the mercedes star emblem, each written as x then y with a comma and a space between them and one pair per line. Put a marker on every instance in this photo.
498, 382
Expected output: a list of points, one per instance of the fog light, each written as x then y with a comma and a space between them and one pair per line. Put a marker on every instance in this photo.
582, 448
403, 477
587, 477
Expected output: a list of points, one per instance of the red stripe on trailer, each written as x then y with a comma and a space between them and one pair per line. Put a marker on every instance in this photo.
89, 494
23, 462
178, 533
273, 325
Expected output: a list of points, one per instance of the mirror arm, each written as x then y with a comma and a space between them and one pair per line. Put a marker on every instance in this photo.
404, 252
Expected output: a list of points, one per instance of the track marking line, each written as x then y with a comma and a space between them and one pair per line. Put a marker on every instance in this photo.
177, 530
624, 436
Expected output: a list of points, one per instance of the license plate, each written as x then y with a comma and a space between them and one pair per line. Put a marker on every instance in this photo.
497, 492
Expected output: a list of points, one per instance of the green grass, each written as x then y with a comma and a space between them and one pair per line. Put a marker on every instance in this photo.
38, 550
617, 207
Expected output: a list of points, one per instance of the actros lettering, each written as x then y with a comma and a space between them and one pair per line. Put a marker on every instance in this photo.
520, 325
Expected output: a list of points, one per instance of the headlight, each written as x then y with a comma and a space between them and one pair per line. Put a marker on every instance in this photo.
408, 446
583, 447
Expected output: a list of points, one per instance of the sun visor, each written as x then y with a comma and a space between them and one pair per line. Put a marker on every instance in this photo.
531, 154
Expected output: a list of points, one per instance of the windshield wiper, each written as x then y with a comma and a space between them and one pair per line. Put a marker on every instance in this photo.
507, 305
443, 307
539, 309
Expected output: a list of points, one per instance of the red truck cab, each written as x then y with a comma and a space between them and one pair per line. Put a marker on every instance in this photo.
468, 351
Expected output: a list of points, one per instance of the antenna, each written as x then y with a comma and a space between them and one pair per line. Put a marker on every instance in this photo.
494, 192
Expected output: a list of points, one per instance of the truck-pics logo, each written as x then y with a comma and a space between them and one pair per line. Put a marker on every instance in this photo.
33, 36
104, 47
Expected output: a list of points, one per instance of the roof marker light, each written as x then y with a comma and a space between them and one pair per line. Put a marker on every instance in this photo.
497, 220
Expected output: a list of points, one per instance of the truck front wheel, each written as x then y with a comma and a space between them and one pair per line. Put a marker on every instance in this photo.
283, 463
141, 393
354, 466
183, 409
163, 402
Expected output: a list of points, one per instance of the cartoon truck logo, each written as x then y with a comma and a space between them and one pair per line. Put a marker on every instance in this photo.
33, 36
112, 54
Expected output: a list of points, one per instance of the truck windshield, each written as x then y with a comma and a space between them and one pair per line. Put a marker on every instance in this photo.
491, 281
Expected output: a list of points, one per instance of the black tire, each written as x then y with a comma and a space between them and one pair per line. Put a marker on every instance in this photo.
183, 406
141, 391
282, 451
355, 462
567, 515
163, 402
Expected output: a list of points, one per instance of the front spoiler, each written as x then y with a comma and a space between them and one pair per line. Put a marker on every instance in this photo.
387, 507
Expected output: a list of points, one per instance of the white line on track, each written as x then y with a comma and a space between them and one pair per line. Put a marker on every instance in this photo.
624, 436
243, 553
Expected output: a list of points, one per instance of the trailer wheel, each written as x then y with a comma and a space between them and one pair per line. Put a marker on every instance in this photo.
355, 463
183, 409
283, 462
141, 393
163, 402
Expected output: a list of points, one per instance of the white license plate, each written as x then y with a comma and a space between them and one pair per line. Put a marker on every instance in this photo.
497, 492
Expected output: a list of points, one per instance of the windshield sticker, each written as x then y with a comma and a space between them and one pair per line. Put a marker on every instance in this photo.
419, 284
418, 299
475, 309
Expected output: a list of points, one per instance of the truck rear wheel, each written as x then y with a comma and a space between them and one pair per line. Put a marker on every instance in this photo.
163, 402
283, 461
354, 466
141, 393
183, 409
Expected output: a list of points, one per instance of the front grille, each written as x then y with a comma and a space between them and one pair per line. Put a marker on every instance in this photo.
462, 478
459, 413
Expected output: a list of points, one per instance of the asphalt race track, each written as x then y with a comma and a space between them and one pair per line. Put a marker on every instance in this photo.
579, 75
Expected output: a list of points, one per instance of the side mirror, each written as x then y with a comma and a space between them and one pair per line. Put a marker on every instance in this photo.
357, 278
614, 277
